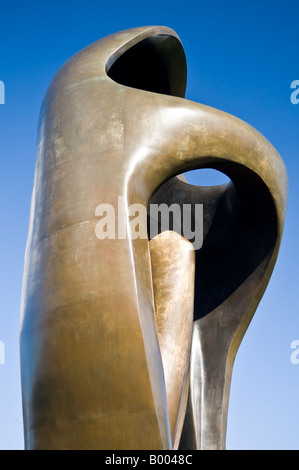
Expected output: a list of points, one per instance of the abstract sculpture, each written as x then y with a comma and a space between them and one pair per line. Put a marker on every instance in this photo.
129, 343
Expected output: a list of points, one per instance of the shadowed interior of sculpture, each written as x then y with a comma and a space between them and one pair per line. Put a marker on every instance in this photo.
156, 64
239, 232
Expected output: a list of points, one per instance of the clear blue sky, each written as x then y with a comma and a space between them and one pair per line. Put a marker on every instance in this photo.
242, 57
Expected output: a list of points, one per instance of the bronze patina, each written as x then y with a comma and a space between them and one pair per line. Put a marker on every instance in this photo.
129, 343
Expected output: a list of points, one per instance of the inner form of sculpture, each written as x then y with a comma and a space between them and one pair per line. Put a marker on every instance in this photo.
129, 343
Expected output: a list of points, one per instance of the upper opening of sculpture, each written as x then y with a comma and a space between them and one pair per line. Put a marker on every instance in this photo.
156, 64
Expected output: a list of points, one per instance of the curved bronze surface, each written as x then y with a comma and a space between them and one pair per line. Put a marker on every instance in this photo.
114, 124
173, 271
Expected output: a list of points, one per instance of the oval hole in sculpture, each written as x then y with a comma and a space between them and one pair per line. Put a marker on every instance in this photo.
206, 177
156, 64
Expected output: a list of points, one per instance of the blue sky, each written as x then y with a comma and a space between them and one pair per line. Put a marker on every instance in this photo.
242, 58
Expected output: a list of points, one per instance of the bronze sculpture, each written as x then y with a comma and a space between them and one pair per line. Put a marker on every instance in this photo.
103, 365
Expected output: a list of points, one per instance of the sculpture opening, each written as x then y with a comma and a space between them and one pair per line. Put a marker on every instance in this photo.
155, 64
239, 234
206, 177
